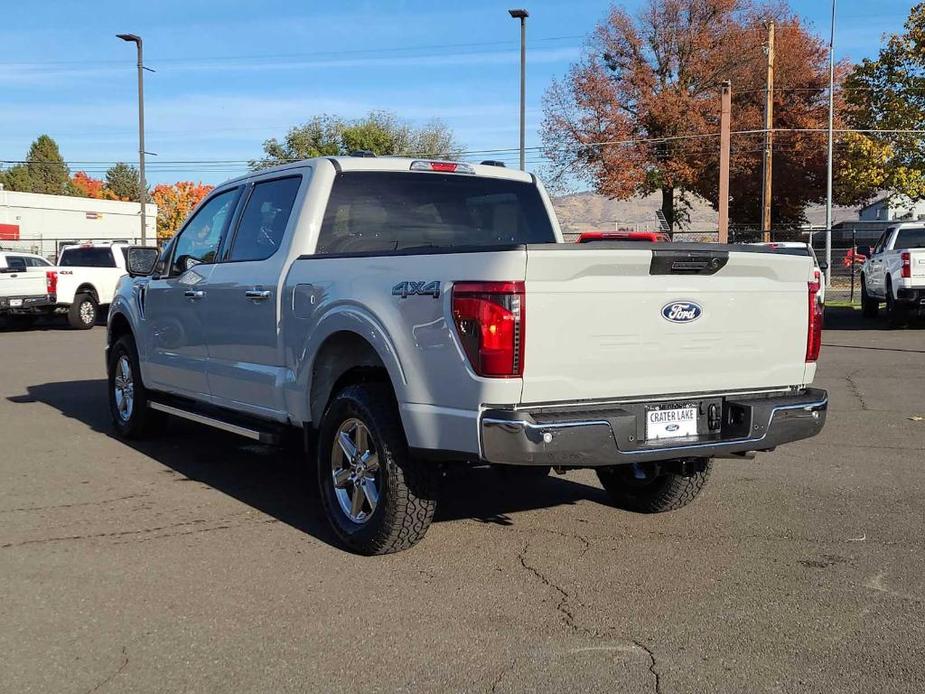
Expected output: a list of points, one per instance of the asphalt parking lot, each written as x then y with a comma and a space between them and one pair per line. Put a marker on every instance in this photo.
201, 562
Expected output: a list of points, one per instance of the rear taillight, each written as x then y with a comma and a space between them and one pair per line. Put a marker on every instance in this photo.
490, 321
51, 282
814, 327
906, 270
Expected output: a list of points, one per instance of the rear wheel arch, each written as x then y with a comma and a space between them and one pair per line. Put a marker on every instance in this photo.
87, 288
345, 358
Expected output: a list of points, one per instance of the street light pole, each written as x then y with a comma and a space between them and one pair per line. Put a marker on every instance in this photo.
143, 193
522, 16
828, 199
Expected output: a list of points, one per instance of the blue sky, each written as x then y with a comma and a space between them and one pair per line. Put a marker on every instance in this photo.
230, 74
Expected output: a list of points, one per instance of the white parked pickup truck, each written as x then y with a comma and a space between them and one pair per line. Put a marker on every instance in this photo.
409, 314
25, 290
87, 279
894, 272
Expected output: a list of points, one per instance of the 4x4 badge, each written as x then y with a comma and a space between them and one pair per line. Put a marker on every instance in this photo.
409, 288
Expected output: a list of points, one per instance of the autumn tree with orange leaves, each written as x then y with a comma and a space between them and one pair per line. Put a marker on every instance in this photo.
639, 113
174, 204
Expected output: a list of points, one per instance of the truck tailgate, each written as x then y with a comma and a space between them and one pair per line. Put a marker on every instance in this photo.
607, 323
917, 269
22, 283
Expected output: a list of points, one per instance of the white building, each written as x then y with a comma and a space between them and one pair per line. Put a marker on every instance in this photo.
893, 208
41, 224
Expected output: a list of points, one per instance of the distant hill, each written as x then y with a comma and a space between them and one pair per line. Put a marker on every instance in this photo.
589, 211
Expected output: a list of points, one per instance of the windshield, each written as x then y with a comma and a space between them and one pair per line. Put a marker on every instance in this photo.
371, 211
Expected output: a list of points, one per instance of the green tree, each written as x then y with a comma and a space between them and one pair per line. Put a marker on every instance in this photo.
889, 94
123, 181
46, 168
16, 178
379, 132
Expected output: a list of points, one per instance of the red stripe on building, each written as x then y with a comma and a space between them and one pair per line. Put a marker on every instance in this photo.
9, 232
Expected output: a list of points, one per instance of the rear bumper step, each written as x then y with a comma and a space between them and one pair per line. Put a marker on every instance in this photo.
613, 435
217, 421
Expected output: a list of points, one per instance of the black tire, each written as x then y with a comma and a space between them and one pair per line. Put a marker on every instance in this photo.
82, 314
895, 314
406, 486
870, 307
139, 420
661, 491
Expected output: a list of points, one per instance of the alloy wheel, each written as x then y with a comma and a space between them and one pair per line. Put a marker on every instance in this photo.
87, 314
124, 388
355, 470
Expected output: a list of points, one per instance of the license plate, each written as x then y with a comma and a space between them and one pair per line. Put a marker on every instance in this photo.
671, 423
15, 303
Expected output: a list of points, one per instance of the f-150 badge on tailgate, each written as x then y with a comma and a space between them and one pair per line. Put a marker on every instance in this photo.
681, 311
425, 288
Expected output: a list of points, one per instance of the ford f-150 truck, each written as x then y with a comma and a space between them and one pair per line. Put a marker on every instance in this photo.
894, 272
27, 286
406, 313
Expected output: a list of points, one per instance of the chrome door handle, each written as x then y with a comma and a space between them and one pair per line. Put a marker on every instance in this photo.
194, 294
258, 294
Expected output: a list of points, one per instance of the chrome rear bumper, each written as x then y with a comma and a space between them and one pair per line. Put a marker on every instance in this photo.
597, 436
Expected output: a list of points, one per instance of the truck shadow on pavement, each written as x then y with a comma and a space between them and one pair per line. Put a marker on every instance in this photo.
838, 318
280, 481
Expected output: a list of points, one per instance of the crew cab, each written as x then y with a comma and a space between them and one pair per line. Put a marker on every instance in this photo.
894, 273
406, 314
25, 290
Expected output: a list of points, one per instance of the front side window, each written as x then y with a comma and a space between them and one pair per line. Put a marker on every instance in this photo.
373, 211
879, 246
910, 238
202, 235
87, 257
263, 223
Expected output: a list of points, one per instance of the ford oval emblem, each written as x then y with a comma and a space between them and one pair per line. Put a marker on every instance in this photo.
681, 311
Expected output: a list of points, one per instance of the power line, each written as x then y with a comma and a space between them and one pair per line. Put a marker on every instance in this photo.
296, 56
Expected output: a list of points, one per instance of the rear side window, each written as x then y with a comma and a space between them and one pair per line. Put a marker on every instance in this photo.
87, 257
910, 238
263, 223
15, 262
371, 211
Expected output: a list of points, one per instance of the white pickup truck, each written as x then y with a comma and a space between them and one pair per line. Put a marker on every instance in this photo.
25, 290
407, 314
84, 279
894, 272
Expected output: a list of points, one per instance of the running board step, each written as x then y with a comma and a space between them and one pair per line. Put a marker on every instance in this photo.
248, 431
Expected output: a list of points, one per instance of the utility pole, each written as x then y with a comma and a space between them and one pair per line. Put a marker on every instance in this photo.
725, 117
143, 193
768, 141
522, 16
828, 198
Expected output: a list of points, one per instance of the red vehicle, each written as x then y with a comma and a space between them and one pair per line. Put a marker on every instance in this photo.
650, 236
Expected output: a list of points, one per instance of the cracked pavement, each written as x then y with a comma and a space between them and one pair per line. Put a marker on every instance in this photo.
200, 562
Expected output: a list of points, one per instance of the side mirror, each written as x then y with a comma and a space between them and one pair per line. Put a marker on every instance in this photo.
863, 250
824, 266
140, 260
